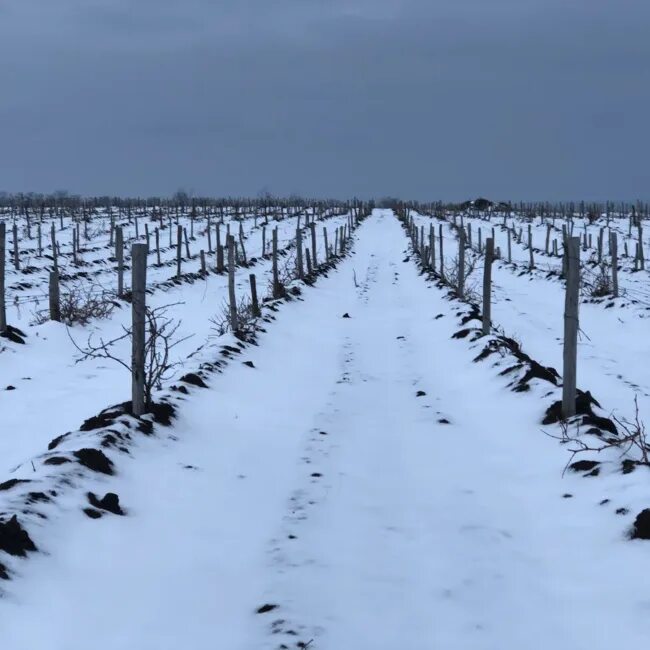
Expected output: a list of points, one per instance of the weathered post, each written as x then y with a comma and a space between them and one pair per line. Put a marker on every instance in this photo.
263, 241
187, 244
158, 246
39, 235
613, 246
461, 263
232, 298
254, 301
55, 303
299, 264
55, 257
219, 251
312, 228
138, 337
241, 242
119, 256
276, 280
327, 250
487, 285
202, 254
179, 249
308, 257
509, 246
570, 356
16, 253
3, 307
442, 254
531, 264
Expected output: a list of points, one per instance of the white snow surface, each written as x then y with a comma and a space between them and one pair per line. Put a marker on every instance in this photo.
323, 482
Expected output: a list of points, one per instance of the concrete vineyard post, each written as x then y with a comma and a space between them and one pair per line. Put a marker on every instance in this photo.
138, 306
570, 355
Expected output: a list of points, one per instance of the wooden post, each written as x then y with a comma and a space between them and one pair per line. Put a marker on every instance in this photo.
548, 236
640, 249
55, 304
327, 250
432, 248
571, 328
312, 228
202, 254
254, 301
461, 262
263, 241
187, 244
55, 259
138, 338
119, 255
16, 253
146, 232
40, 239
487, 285
442, 253
299, 264
158, 246
179, 249
308, 257
219, 251
3, 308
531, 265
509, 246
209, 232
276, 281
613, 246
232, 298
241, 242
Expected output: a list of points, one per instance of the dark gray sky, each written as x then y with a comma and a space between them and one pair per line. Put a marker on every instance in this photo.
424, 99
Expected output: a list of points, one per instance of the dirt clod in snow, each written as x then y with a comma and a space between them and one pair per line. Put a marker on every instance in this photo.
56, 460
193, 379
110, 502
250, 364
95, 460
346, 315
14, 538
420, 393
92, 513
584, 465
641, 528
10, 388
7, 485
266, 608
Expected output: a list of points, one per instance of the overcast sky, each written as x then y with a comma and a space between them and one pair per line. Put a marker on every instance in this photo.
423, 99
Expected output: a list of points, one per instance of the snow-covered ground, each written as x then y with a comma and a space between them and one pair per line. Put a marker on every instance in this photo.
356, 480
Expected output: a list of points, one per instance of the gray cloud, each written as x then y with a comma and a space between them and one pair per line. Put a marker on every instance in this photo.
508, 98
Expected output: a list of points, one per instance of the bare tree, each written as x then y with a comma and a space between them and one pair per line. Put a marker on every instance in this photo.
161, 331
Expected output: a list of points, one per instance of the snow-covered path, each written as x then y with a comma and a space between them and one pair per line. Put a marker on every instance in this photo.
365, 480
